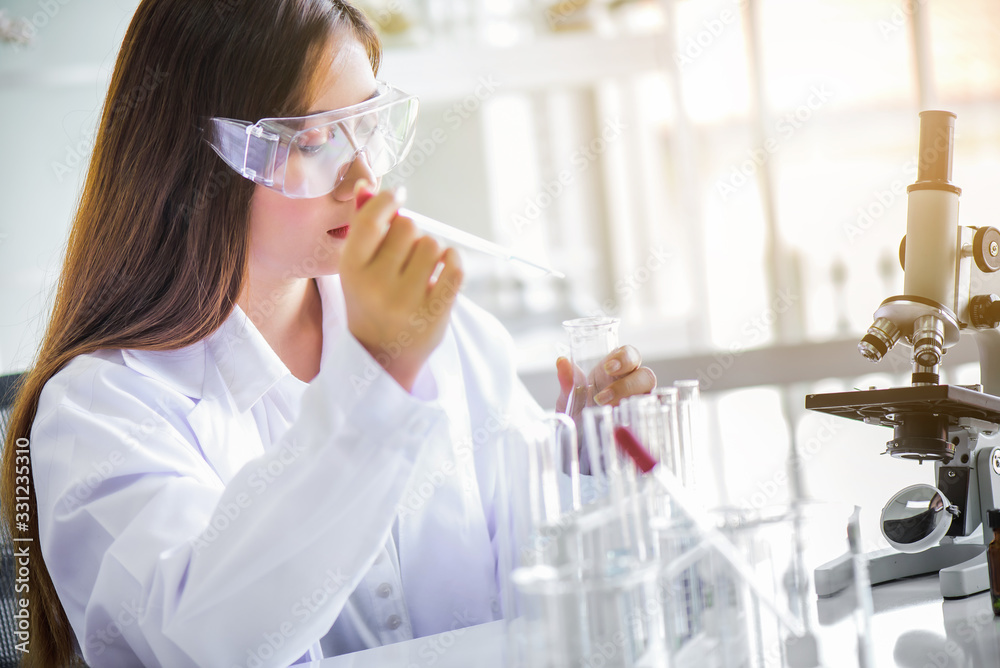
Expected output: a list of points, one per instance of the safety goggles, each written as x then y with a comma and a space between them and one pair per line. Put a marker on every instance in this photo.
309, 156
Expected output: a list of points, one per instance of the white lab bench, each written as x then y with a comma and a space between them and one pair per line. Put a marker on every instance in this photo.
913, 627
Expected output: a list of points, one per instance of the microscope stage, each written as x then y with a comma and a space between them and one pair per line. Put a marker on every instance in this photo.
878, 406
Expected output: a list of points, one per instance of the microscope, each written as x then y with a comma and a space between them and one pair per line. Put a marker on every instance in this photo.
951, 283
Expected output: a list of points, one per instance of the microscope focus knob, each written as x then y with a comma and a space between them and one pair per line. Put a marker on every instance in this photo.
986, 249
984, 311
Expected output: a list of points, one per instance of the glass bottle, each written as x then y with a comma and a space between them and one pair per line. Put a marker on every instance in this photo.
993, 560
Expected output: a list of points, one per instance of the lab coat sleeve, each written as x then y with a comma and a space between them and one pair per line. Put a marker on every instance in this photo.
506, 407
153, 555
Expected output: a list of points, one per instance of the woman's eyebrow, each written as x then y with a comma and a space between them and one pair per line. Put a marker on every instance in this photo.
326, 111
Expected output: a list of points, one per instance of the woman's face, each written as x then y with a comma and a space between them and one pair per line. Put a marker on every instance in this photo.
303, 238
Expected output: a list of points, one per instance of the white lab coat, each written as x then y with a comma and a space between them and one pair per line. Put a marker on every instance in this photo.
203, 506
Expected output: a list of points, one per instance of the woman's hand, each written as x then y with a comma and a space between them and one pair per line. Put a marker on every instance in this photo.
394, 309
619, 375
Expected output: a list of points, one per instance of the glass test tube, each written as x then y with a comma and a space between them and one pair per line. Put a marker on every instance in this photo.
615, 546
688, 407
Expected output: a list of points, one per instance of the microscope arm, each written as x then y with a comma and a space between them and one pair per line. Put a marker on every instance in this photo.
988, 341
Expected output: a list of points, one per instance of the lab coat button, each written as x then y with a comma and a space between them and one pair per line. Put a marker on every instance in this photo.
384, 590
394, 622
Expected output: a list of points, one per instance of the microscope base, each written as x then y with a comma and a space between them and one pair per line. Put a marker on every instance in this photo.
962, 569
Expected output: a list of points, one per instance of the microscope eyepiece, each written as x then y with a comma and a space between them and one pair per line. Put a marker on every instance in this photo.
937, 136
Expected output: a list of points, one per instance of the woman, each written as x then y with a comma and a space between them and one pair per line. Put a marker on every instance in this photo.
260, 420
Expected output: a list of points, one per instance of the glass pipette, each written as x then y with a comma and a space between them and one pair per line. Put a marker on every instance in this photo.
463, 238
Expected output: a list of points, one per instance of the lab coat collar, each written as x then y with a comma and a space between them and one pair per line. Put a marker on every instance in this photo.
245, 362
248, 365
182, 369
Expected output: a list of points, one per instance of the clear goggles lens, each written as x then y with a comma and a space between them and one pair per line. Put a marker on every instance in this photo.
309, 156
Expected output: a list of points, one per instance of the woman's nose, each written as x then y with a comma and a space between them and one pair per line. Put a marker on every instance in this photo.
357, 169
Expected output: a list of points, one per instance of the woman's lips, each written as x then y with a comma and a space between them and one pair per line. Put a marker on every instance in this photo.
340, 232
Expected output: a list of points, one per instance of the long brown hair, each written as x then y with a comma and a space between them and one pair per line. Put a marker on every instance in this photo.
157, 254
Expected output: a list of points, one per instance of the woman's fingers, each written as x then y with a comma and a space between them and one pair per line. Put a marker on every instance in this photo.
368, 227
640, 381
386, 272
571, 383
424, 256
445, 290
396, 247
565, 375
622, 362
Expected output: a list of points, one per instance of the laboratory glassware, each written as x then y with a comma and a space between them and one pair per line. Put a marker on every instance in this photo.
688, 421
756, 580
472, 242
461, 238
591, 339
538, 499
579, 582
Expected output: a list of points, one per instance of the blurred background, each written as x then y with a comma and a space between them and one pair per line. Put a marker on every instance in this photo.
726, 176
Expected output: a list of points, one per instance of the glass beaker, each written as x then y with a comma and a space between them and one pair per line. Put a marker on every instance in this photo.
583, 619
590, 341
722, 621
538, 500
